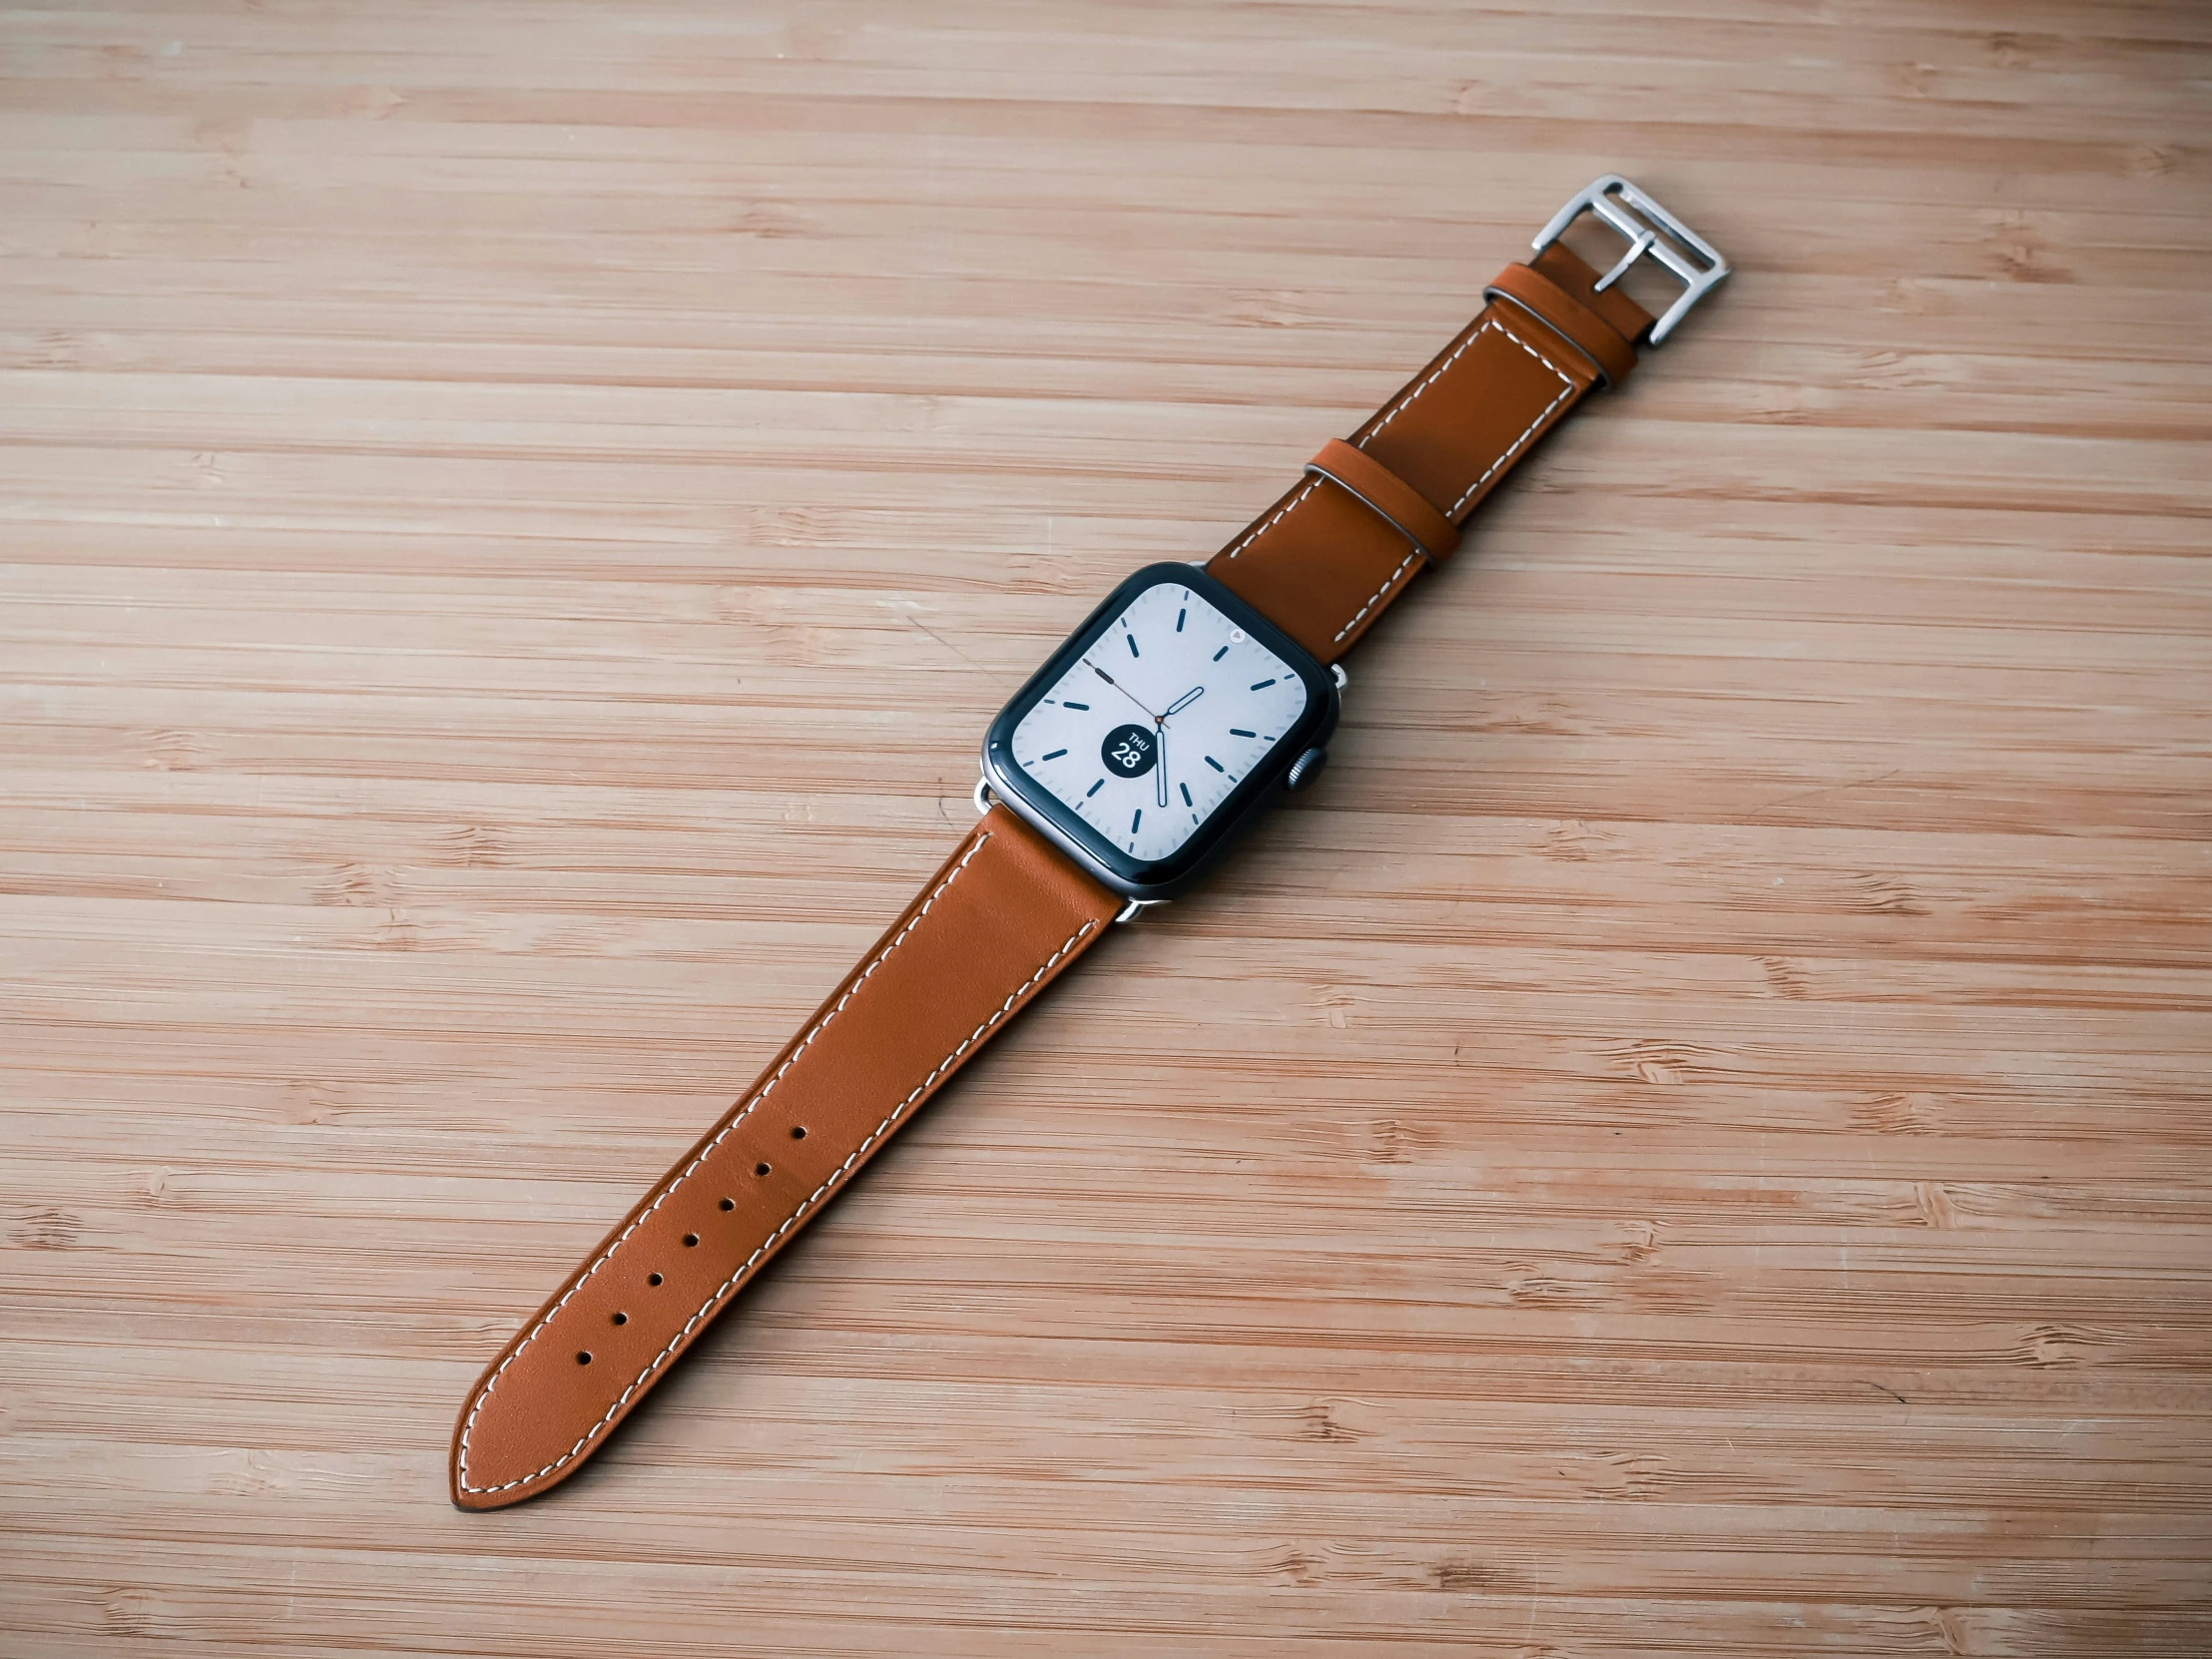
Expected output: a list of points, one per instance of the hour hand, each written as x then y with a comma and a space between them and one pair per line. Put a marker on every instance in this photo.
1185, 700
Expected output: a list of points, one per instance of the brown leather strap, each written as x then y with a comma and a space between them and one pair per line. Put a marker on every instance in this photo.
1007, 914
1003, 916
1323, 563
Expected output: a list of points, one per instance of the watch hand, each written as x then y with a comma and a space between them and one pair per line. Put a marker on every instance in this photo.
1116, 683
1160, 767
1185, 700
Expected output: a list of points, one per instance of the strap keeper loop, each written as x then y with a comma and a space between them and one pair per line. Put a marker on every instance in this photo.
1578, 323
1390, 497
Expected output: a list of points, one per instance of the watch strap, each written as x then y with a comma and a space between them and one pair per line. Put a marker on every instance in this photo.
1003, 916
1327, 557
1007, 914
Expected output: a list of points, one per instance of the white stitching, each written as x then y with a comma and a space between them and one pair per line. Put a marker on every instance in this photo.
1373, 597
789, 1222
1399, 407
1251, 536
1567, 389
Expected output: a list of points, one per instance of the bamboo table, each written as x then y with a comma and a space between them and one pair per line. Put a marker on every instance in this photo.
1692, 1140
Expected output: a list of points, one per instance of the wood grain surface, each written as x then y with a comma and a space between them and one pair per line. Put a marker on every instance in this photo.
1693, 1140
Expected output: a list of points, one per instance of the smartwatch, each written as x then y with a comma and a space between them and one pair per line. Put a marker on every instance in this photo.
1191, 699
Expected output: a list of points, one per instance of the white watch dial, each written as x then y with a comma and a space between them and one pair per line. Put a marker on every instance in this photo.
1149, 731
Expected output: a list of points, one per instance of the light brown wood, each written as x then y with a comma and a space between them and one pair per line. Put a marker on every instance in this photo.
1692, 1140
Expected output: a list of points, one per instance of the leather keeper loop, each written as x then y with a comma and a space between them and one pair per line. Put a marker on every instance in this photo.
1389, 496
1569, 319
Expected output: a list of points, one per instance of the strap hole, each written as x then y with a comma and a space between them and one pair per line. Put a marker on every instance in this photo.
760, 1169
729, 1204
690, 1239
583, 1357
652, 1279
622, 1318
798, 1134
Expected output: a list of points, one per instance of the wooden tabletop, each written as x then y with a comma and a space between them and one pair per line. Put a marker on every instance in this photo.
1692, 1140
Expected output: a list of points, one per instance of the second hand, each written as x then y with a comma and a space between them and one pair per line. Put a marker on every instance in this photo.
1118, 685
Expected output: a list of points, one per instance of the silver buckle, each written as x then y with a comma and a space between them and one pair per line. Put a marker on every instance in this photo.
1651, 231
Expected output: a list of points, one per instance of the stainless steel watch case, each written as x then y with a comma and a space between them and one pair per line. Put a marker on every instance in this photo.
1149, 882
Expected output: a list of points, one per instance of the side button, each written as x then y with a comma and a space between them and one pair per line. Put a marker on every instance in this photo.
1305, 770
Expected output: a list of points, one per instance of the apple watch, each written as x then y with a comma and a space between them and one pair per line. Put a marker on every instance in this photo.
1189, 699
1171, 716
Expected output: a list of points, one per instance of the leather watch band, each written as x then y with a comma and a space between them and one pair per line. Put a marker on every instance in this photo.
1326, 558
1008, 912
999, 922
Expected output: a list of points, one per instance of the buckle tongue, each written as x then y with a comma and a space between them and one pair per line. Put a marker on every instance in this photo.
1652, 232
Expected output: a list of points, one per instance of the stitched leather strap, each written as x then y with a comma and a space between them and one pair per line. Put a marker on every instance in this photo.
1324, 562
1003, 916
1007, 913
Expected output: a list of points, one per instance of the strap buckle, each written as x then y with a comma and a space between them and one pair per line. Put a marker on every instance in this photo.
1651, 231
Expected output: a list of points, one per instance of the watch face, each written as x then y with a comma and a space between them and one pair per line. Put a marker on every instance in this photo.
1148, 734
